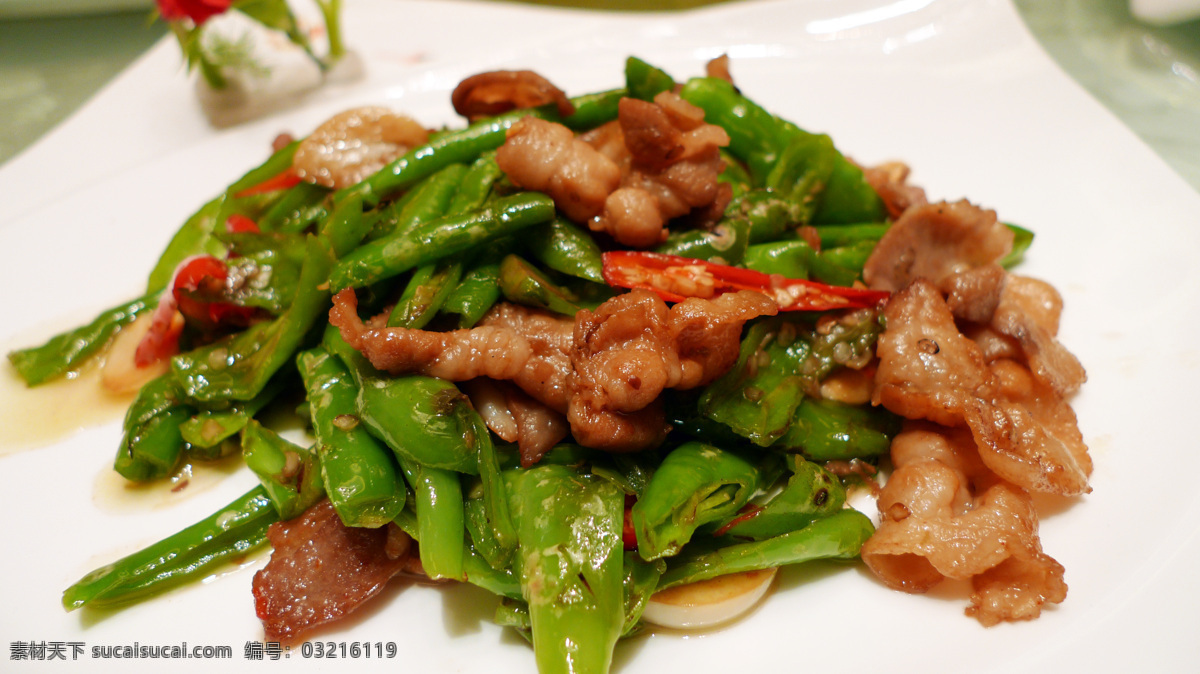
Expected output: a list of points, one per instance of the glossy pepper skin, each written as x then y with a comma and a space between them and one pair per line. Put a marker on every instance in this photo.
152, 444
227, 534
825, 430
238, 367
763, 142
838, 536
359, 473
570, 565
696, 484
291, 474
438, 239
435, 435
64, 352
810, 493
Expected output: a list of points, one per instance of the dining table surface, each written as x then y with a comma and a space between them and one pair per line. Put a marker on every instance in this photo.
56, 55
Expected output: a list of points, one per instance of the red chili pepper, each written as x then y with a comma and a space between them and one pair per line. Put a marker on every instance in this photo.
282, 181
238, 223
676, 278
628, 534
208, 274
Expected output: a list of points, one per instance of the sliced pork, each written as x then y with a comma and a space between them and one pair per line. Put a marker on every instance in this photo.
934, 241
321, 570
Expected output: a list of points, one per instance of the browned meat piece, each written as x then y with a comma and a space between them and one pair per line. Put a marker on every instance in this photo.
514, 343
547, 371
609, 140
1024, 309
605, 370
652, 140
611, 431
1025, 432
354, 144
973, 295
492, 93
632, 347
546, 157
1028, 311
623, 353
515, 417
934, 241
707, 333
890, 182
539, 428
321, 570
944, 515
719, 68
669, 159
1029, 435
459, 355
927, 369
631, 215
1017, 588
993, 344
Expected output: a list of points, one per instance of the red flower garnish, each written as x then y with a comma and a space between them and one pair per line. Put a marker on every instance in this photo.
198, 11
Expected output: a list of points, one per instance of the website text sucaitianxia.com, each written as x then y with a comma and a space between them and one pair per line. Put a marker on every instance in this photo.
251, 650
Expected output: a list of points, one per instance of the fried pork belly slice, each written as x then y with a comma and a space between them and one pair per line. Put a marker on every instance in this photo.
623, 353
974, 295
354, 144
1024, 309
632, 347
943, 515
492, 93
1025, 431
927, 368
934, 241
1028, 311
669, 165
707, 333
321, 570
623, 357
719, 68
546, 373
599, 428
890, 182
513, 343
515, 417
1029, 435
539, 428
547, 157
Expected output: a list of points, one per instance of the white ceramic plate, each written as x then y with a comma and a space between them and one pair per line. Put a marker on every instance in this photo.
957, 88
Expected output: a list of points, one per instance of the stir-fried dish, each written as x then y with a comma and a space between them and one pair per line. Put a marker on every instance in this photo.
613, 358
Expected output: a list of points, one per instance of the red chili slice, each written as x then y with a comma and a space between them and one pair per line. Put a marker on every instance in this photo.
676, 278
282, 181
238, 223
206, 273
628, 534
